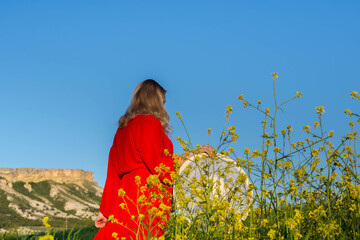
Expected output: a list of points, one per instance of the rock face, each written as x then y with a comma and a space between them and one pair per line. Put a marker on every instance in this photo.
76, 176
29, 194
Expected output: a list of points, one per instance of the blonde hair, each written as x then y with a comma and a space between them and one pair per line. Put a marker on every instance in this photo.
148, 99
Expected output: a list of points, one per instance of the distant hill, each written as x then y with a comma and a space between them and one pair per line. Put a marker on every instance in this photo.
65, 195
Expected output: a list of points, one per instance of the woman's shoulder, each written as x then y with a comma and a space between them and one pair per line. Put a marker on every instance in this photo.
145, 120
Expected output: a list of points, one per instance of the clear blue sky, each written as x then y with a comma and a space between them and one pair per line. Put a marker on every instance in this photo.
68, 68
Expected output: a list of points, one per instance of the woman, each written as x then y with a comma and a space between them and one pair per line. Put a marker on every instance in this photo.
140, 145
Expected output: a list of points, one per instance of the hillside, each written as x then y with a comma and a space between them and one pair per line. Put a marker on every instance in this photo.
65, 195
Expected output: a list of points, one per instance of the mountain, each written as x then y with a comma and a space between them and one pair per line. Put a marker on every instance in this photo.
66, 196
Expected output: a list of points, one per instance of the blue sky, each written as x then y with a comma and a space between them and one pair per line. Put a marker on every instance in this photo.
68, 68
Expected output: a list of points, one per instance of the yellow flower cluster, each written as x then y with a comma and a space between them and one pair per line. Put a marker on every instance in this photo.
320, 110
45, 222
47, 225
274, 75
354, 95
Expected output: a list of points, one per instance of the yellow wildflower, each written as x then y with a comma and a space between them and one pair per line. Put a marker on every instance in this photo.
298, 94
353, 94
255, 153
271, 234
241, 97
228, 109
267, 111
259, 101
115, 235
315, 152
306, 128
275, 75
121, 192
208, 131
287, 164
264, 222
245, 104
246, 151
348, 112
277, 149
320, 110
45, 222
46, 237
331, 133
137, 180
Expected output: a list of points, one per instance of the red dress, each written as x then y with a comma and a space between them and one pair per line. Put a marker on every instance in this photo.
137, 150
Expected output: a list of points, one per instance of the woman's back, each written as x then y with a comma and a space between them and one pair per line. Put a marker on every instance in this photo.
138, 148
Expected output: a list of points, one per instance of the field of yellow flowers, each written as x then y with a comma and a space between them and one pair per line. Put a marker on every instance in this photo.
298, 189
285, 189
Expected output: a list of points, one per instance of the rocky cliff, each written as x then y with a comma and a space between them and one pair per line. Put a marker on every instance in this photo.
64, 195
76, 176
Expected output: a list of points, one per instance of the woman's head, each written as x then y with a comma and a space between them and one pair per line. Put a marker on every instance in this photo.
148, 98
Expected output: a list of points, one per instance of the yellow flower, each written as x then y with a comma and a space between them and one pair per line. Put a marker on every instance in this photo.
316, 124
331, 133
353, 94
275, 75
298, 94
208, 131
178, 115
289, 127
247, 151
255, 153
45, 222
320, 110
241, 97
306, 128
46, 237
287, 164
277, 149
121, 192
141, 217
315, 152
283, 132
259, 101
228, 109
267, 111
271, 234
115, 235
348, 112
264, 222
245, 104
138, 180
